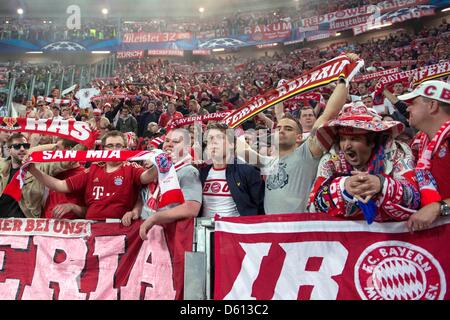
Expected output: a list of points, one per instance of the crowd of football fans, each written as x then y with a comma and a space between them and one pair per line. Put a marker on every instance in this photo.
33, 29
154, 93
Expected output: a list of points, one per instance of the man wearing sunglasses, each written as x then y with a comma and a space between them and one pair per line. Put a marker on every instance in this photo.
110, 188
30, 205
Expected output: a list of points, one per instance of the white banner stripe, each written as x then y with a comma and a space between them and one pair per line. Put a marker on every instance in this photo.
317, 226
61, 228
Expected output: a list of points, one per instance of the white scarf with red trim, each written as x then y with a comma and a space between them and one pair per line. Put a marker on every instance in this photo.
57, 101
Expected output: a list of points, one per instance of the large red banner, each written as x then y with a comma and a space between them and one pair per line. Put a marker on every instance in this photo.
79, 260
312, 256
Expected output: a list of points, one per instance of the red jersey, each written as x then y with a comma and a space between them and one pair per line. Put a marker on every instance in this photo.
440, 168
166, 117
55, 198
108, 195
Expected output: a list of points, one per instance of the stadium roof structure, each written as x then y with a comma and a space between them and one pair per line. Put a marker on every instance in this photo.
137, 8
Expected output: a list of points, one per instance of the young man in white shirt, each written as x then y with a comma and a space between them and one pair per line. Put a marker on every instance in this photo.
230, 187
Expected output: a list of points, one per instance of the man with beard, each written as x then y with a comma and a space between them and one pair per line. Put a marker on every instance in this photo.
366, 172
291, 174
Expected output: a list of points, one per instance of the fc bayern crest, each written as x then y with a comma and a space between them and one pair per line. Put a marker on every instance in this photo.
397, 270
118, 181
163, 163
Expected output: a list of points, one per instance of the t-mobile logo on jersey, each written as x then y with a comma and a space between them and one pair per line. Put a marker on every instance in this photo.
98, 192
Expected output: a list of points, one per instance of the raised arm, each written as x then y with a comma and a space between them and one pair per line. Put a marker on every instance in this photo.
336, 101
49, 181
390, 96
43, 147
334, 105
268, 122
279, 111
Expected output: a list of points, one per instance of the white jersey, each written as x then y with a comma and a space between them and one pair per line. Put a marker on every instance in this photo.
217, 197
84, 96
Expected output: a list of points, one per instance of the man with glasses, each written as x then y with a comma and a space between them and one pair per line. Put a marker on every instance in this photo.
32, 192
110, 188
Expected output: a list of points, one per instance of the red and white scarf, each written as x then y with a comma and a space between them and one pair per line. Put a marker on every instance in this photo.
427, 148
78, 131
156, 198
419, 75
322, 75
179, 122
434, 71
375, 75
167, 177
57, 101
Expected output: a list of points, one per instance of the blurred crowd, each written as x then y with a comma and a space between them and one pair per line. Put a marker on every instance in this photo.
109, 28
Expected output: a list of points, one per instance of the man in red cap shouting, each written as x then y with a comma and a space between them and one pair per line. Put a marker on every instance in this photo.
429, 112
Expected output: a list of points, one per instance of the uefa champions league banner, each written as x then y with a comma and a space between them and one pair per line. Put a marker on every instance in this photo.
80, 260
313, 256
360, 19
15, 45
